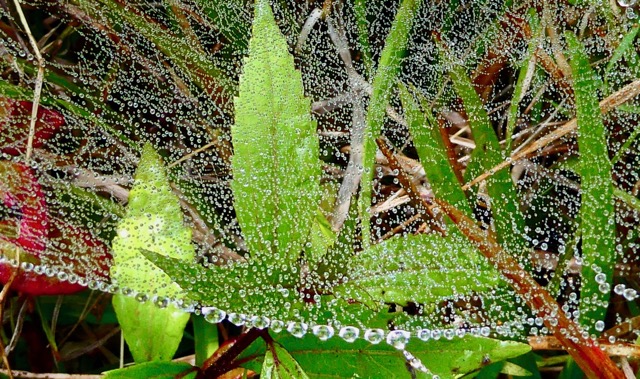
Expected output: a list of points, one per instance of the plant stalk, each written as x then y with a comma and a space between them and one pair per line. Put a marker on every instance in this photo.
585, 351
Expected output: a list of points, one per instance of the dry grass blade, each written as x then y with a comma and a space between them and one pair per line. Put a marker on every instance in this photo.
625, 94
39, 79
421, 206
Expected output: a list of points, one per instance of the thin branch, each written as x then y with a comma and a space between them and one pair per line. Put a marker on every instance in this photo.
39, 80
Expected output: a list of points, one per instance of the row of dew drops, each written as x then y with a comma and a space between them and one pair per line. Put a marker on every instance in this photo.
395, 338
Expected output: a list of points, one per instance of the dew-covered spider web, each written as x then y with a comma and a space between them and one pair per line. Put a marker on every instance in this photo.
331, 213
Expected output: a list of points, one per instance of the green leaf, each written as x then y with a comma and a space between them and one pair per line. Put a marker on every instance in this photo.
336, 358
210, 285
383, 81
432, 153
275, 164
199, 68
421, 268
279, 364
526, 72
508, 220
227, 17
453, 358
152, 333
624, 49
597, 213
360, 10
153, 221
154, 370
321, 238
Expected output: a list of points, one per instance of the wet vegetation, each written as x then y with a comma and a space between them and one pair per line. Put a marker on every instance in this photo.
293, 189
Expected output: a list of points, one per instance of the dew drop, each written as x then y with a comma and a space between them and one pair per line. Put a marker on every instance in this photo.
374, 336
599, 325
398, 338
276, 326
297, 329
237, 319
424, 334
213, 315
630, 294
259, 322
323, 332
349, 333
626, 3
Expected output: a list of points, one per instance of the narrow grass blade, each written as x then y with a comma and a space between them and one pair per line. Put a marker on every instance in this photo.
625, 48
527, 70
431, 151
360, 10
200, 70
507, 218
228, 17
386, 73
597, 211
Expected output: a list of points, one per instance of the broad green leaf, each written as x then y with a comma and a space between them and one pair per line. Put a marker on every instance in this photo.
454, 358
423, 269
206, 284
508, 220
597, 213
154, 370
279, 364
336, 358
152, 333
233, 289
275, 164
432, 153
153, 221
383, 81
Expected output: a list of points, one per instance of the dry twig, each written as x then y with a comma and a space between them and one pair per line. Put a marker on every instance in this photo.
625, 94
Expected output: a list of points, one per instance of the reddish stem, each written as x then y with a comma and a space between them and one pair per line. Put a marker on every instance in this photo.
585, 351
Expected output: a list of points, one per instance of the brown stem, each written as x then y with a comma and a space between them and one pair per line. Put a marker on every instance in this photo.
217, 365
421, 206
617, 349
585, 351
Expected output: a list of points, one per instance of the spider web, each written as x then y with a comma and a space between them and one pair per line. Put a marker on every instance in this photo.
119, 74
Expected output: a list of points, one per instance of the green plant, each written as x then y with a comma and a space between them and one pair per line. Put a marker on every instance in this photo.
246, 223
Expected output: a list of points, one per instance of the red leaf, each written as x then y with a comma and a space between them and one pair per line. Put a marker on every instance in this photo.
27, 235
15, 117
